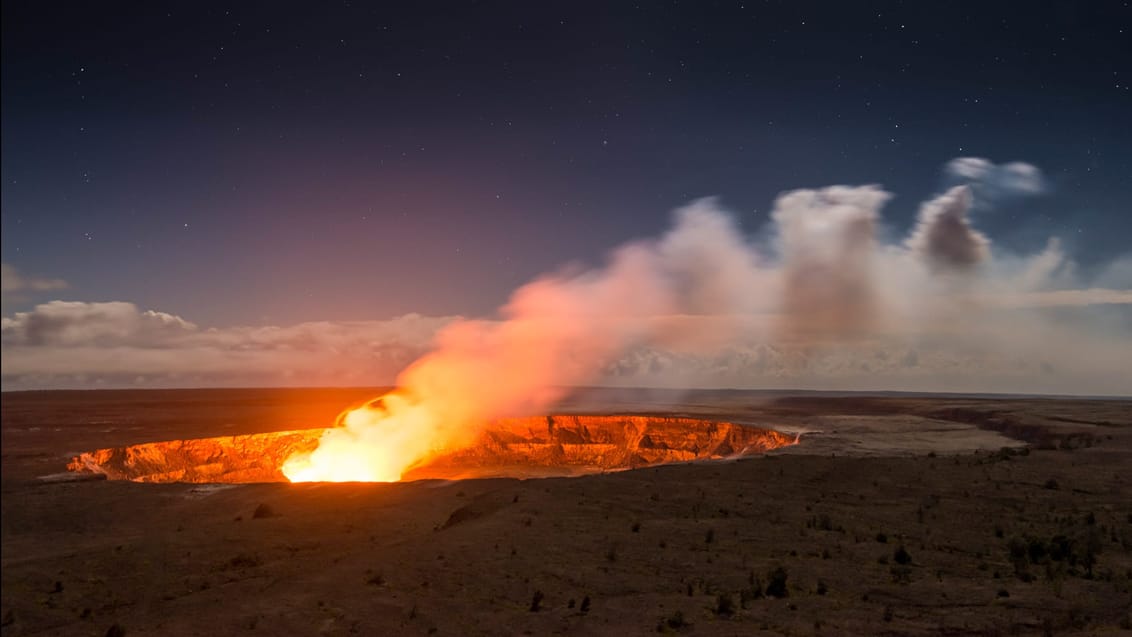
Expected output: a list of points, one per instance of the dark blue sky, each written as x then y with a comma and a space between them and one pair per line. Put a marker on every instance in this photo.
275, 162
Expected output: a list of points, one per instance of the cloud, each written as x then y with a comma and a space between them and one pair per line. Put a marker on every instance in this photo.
992, 183
12, 282
1066, 298
64, 324
1117, 273
827, 243
829, 305
73, 344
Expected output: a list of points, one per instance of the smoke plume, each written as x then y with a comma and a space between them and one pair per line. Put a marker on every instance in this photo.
833, 300
943, 238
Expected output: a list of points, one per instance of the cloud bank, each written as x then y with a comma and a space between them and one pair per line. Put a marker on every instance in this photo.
79, 345
829, 305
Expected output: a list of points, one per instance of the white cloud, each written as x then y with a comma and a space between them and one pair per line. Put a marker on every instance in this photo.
64, 323
13, 282
72, 344
993, 182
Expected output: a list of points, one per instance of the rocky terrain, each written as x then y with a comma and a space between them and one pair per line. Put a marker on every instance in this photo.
895, 515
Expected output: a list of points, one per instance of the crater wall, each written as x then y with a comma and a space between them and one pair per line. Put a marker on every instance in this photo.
518, 447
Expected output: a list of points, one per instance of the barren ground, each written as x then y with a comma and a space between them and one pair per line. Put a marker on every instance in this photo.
896, 515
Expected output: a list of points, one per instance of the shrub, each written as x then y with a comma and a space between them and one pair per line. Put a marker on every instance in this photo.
675, 621
901, 574
902, 556
776, 583
753, 591
1036, 550
724, 605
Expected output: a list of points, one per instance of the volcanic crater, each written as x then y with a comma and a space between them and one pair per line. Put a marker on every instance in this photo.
539, 446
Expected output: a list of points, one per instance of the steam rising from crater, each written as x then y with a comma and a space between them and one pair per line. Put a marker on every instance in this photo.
828, 282
943, 237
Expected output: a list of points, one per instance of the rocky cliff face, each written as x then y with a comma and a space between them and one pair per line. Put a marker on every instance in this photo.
520, 447
568, 444
249, 458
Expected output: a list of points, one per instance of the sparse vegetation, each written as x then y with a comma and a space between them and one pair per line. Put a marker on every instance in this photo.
724, 605
902, 556
1071, 543
675, 621
752, 592
776, 583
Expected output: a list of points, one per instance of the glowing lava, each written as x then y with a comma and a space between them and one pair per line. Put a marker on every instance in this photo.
377, 442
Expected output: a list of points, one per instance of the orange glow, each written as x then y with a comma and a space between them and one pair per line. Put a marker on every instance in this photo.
376, 442
532, 446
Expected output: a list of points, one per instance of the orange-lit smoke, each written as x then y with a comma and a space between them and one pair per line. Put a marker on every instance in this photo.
557, 331
832, 283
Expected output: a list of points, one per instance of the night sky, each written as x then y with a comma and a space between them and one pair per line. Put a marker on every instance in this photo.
260, 163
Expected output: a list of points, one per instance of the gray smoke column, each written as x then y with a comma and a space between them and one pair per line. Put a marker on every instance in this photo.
943, 237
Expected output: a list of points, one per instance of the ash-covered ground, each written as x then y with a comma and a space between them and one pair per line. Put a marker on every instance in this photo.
903, 515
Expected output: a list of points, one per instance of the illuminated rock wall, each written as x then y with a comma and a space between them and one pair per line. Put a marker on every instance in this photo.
519, 447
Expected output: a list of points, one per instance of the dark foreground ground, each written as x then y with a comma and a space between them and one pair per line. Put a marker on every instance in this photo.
896, 515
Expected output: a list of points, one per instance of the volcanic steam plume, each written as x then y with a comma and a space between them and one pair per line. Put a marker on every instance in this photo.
826, 283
